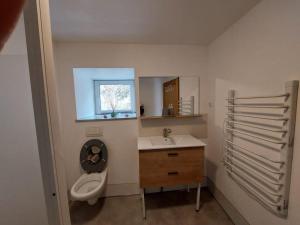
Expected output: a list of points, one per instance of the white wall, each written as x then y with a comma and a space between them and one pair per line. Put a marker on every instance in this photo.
256, 55
22, 198
121, 136
84, 95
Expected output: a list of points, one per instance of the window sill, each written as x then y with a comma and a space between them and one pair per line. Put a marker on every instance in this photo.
101, 118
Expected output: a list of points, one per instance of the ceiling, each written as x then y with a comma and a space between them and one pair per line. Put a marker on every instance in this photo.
145, 21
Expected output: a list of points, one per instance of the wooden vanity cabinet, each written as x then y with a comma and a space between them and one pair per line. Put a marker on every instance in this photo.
169, 167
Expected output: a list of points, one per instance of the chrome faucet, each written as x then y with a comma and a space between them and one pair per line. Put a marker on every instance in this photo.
166, 132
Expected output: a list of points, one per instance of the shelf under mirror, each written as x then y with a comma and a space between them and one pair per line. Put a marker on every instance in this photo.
170, 117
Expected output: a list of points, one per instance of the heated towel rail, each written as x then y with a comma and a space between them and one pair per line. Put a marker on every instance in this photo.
186, 107
255, 128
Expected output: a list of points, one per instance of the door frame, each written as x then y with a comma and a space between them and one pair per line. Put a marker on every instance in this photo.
46, 109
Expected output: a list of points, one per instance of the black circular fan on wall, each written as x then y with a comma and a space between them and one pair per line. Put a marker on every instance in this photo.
93, 156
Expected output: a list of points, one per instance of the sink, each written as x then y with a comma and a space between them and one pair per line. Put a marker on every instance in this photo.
173, 141
162, 141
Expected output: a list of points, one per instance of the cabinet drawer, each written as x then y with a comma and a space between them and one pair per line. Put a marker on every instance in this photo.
170, 166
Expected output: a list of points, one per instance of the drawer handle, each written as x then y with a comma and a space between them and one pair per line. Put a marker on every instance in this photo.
173, 173
173, 154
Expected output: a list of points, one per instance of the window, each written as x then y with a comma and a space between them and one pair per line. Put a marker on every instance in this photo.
114, 96
104, 93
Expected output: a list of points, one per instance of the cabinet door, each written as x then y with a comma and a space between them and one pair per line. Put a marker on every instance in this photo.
171, 94
171, 167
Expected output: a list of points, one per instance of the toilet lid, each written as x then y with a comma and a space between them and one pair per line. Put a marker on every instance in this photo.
93, 156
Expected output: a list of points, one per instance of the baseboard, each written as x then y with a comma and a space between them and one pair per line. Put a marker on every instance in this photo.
232, 212
134, 189
175, 188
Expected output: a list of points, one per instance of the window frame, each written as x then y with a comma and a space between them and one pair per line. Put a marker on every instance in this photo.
97, 98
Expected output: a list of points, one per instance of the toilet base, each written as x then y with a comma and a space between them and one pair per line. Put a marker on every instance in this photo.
92, 201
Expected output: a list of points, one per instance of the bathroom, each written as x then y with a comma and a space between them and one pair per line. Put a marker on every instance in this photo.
212, 49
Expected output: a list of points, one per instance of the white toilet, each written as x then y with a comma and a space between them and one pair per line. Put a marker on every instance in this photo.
90, 185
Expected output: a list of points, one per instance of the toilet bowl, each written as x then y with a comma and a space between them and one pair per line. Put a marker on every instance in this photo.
91, 184
89, 187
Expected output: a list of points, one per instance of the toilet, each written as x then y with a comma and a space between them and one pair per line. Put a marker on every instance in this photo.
91, 184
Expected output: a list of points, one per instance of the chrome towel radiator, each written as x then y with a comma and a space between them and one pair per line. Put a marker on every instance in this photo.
258, 145
186, 107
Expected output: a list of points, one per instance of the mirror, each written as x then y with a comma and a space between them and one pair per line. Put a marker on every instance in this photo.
169, 96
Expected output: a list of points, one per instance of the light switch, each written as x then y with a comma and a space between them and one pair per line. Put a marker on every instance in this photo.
93, 132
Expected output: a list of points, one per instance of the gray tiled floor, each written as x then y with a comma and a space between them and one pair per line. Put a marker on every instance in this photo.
167, 208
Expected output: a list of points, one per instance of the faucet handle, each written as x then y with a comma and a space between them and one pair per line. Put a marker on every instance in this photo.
166, 132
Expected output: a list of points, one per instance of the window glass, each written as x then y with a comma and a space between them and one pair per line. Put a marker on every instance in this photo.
114, 96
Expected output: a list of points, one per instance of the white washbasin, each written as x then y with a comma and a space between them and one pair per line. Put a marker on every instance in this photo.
157, 140
174, 141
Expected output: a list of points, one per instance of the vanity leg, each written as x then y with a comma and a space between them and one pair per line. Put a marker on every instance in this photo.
188, 188
198, 197
143, 203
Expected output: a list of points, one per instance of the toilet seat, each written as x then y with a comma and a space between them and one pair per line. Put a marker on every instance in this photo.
88, 186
